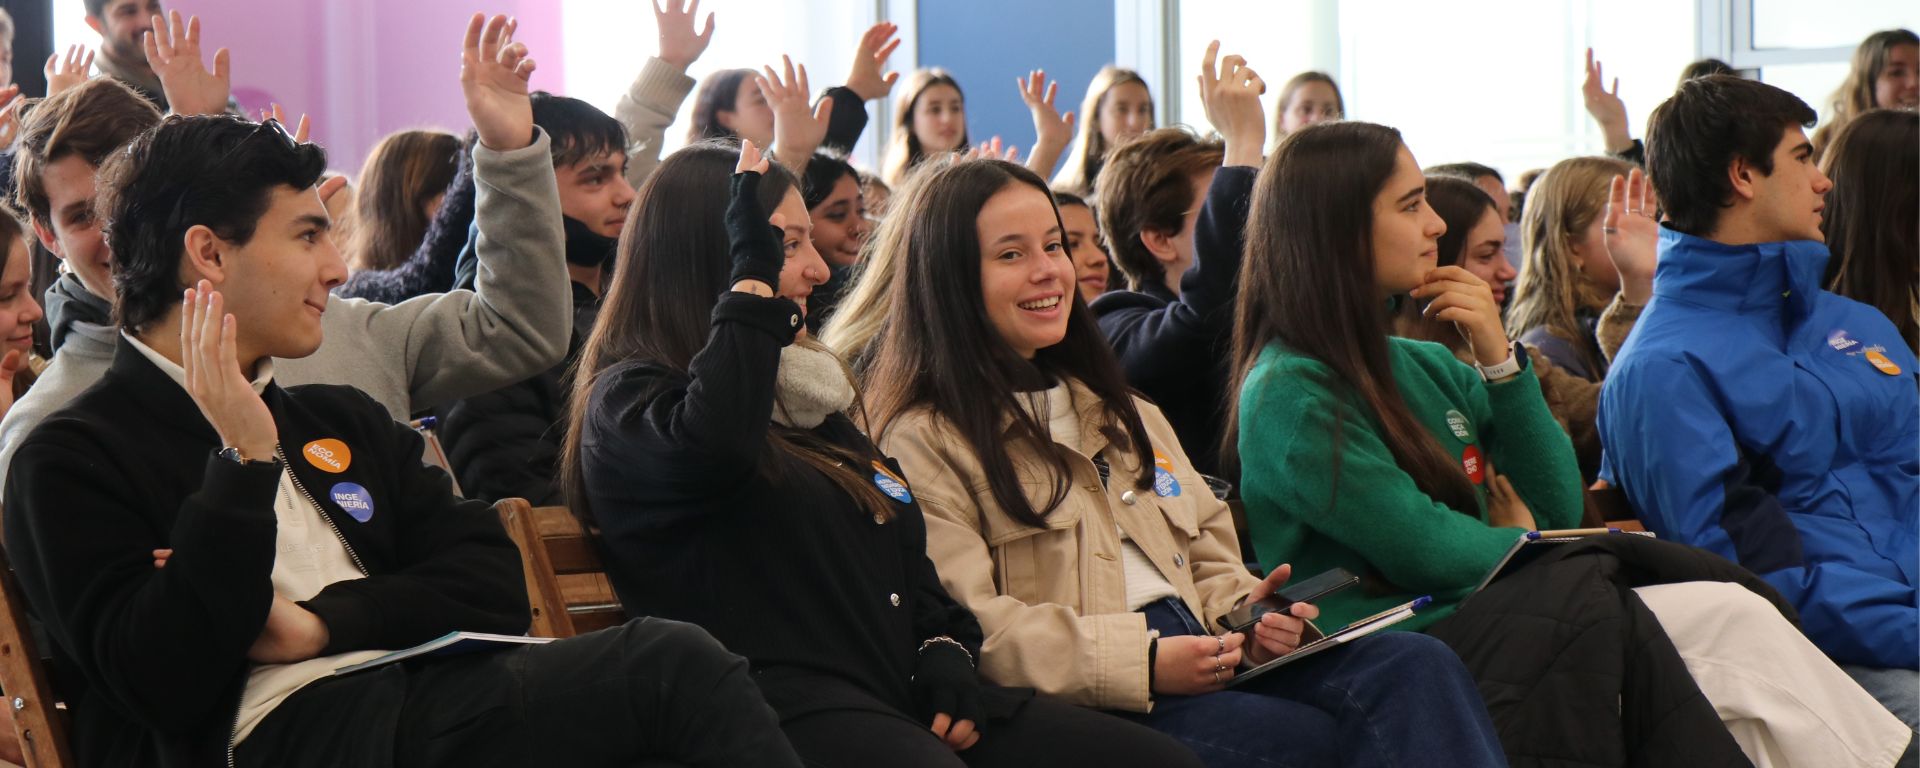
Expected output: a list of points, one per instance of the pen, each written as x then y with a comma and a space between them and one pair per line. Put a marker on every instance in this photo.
1569, 532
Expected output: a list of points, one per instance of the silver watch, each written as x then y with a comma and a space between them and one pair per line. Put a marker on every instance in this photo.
232, 454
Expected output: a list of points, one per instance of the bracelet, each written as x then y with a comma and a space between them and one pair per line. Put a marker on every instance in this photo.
929, 642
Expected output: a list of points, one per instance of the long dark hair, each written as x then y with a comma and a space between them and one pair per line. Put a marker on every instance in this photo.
937, 349
1873, 214
672, 267
1461, 204
1307, 283
389, 216
717, 94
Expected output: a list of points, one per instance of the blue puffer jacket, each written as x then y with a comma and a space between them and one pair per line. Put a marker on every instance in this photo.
1753, 414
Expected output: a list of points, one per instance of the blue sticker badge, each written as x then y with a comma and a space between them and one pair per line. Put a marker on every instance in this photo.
890, 485
355, 500
1164, 483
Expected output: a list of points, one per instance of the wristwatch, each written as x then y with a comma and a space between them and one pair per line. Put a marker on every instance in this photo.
232, 454
1504, 368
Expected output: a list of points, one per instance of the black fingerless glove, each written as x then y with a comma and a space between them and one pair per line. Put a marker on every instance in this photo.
754, 244
944, 682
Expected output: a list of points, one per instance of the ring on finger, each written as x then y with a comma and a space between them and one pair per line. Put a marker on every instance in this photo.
1216, 677
1223, 645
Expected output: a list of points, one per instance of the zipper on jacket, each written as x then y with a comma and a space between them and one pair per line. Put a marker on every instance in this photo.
328, 519
240, 707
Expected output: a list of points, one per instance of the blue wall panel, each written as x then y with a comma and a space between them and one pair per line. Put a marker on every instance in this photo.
986, 44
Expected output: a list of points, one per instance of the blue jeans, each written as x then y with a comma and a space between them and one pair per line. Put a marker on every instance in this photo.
1899, 691
1392, 699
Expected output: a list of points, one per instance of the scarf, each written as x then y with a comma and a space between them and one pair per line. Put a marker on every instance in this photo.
812, 385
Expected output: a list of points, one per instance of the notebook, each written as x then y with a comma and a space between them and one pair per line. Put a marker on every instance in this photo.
1530, 545
450, 644
1349, 633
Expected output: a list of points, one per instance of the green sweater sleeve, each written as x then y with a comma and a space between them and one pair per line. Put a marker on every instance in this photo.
1351, 490
1524, 442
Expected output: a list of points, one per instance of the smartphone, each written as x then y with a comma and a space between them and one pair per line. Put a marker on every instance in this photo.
1243, 618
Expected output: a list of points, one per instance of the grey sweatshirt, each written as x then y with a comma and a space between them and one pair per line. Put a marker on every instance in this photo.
410, 356
646, 110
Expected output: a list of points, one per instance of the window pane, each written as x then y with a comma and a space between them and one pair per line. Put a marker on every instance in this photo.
1827, 24
1813, 83
1496, 82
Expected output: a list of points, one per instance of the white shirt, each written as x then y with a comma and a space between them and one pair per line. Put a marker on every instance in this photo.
1145, 583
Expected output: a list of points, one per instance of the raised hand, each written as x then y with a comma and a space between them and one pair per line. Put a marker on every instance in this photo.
1632, 235
1231, 97
494, 69
753, 238
1278, 634
1606, 107
797, 128
1462, 298
870, 61
991, 149
1052, 130
173, 50
214, 379
292, 634
10, 103
1187, 665
64, 73
679, 45
276, 112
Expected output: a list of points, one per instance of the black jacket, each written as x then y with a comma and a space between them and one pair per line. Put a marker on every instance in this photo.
1576, 671
1174, 349
700, 520
430, 268
159, 656
506, 443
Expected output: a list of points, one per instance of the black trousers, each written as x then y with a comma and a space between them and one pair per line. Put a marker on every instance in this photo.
650, 692
1043, 733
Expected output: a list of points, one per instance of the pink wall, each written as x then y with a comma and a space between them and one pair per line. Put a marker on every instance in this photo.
364, 68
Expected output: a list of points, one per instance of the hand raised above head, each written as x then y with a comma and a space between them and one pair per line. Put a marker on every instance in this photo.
1231, 97
494, 70
70, 71
753, 238
173, 50
798, 127
870, 62
679, 45
1052, 129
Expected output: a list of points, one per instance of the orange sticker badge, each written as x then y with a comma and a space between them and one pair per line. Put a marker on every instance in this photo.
1160, 460
328, 455
1880, 362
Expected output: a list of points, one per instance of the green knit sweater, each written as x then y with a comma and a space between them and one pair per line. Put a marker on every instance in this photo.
1402, 542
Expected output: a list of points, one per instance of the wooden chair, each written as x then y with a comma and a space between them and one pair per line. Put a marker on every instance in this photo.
38, 721
566, 583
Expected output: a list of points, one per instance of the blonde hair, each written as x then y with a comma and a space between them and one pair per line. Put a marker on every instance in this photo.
1552, 291
1855, 94
903, 149
861, 313
1089, 151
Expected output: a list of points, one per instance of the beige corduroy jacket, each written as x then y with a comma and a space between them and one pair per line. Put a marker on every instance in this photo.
1053, 600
